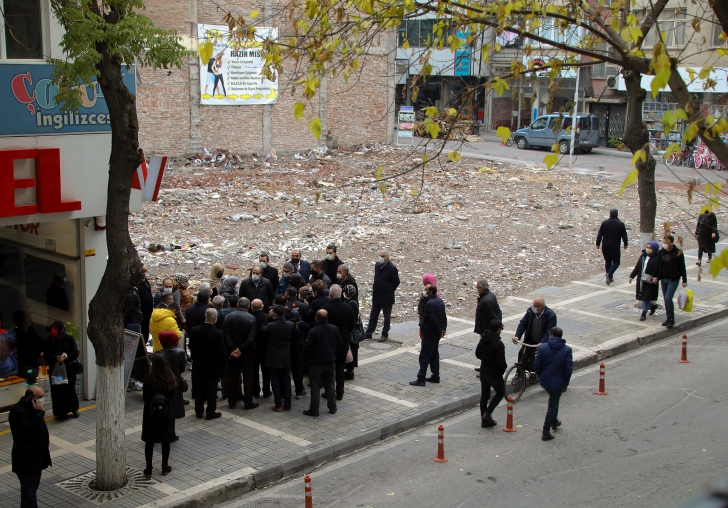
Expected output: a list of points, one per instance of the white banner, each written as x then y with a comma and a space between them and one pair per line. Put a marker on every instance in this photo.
230, 67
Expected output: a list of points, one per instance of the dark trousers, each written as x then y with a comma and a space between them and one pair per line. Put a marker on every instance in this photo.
261, 369
374, 316
149, 453
700, 253
237, 385
28, 487
552, 413
612, 258
205, 391
280, 380
486, 383
340, 368
429, 357
322, 374
354, 353
245, 364
527, 356
297, 373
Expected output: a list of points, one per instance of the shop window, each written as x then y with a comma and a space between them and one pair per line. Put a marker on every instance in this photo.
671, 24
23, 30
418, 32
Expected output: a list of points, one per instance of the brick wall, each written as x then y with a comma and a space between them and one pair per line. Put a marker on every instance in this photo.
357, 111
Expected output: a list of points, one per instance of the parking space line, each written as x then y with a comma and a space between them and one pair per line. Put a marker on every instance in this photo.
264, 428
383, 396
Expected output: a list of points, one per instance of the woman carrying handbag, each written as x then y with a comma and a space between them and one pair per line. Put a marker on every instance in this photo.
177, 361
61, 349
646, 271
158, 417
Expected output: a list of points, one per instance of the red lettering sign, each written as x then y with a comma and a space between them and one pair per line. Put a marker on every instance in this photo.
47, 183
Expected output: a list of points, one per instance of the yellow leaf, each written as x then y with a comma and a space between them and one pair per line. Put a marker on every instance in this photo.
716, 265
298, 110
318, 196
705, 72
454, 156
415, 193
383, 189
406, 45
626, 34
254, 14
504, 133
723, 257
379, 173
452, 112
551, 160
674, 147
630, 180
486, 170
314, 126
722, 51
639, 155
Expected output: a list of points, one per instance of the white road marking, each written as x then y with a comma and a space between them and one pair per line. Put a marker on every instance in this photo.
264, 428
394, 352
383, 396
461, 320
459, 364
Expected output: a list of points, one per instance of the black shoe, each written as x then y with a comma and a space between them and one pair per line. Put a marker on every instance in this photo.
332, 411
232, 406
643, 316
308, 412
166, 470
339, 397
477, 369
607, 279
547, 437
555, 425
418, 382
186, 402
478, 375
698, 263
198, 415
175, 439
212, 416
433, 379
487, 421
383, 338
664, 323
148, 472
250, 406
76, 414
266, 395
670, 324
239, 397
349, 376
367, 337
653, 308
300, 394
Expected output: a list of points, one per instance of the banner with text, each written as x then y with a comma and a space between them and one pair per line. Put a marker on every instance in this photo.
231, 65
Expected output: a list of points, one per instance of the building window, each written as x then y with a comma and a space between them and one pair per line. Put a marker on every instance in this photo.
671, 23
717, 31
23, 30
418, 32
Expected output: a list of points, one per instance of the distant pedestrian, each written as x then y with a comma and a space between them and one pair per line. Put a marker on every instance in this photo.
332, 262
434, 327
177, 361
343, 317
215, 280
386, 282
428, 280
279, 334
31, 444
706, 233
61, 348
257, 287
534, 327
319, 352
647, 272
611, 234
487, 309
158, 416
147, 299
554, 364
207, 345
195, 313
672, 269
492, 355
240, 342
261, 345
163, 319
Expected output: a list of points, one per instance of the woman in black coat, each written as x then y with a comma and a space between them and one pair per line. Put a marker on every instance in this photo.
177, 361
61, 347
492, 355
649, 263
157, 429
706, 232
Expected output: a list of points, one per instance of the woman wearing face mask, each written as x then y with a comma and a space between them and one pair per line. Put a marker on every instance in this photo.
427, 280
706, 233
182, 295
647, 271
61, 348
216, 278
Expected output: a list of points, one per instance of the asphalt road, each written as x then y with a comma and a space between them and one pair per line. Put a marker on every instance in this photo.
607, 163
652, 442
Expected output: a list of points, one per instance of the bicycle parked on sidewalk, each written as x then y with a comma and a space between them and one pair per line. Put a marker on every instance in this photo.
521, 374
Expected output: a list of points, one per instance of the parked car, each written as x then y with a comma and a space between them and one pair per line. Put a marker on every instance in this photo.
541, 133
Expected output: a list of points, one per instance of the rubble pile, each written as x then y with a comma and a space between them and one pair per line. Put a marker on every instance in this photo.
519, 227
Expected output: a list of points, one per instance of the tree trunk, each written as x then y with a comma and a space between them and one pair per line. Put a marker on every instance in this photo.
636, 137
123, 267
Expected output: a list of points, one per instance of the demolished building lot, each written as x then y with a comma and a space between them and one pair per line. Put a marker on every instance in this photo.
517, 226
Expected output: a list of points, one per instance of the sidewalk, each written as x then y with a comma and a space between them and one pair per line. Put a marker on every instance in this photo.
223, 458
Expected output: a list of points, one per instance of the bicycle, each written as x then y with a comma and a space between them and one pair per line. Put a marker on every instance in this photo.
518, 377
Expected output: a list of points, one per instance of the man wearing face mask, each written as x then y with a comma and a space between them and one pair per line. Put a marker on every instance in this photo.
317, 273
300, 266
386, 281
331, 263
288, 270
166, 289
672, 269
349, 288
534, 328
647, 270
269, 272
611, 233
257, 287
145, 295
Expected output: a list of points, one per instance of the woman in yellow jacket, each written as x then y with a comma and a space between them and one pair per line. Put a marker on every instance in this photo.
163, 320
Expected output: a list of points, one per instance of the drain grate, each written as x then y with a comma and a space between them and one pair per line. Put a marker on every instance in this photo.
81, 486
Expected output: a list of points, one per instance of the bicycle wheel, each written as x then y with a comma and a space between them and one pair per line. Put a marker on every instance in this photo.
515, 381
510, 141
670, 159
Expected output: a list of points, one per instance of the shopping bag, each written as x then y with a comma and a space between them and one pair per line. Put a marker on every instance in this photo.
349, 357
682, 298
689, 303
59, 376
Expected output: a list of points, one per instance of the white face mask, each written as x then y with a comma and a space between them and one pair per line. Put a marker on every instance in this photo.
256, 278
146, 275
381, 260
41, 400
339, 276
167, 290
664, 246
330, 257
535, 310
264, 265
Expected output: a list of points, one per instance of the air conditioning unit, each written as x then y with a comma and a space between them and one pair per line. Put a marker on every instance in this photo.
613, 73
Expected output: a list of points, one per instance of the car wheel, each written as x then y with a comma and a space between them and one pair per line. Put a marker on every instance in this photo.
522, 143
564, 147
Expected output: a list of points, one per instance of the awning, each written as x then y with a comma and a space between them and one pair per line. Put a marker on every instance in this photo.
719, 75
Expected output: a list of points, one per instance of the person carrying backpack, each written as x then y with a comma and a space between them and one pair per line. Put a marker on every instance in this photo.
158, 417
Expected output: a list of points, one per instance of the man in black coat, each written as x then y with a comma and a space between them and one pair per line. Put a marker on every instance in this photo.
31, 444
534, 327
195, 313
332, 262
261, 344
269, 272
349, 287
492, 355
322, 344
317, 273
207, 344
342, 316
279, 334
488, 308
433, 329
147, 299
611, 233
386, 281
300, 265
257, 287
240, 343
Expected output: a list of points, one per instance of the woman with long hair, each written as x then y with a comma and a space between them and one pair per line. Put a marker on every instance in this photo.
62, 348
158, 418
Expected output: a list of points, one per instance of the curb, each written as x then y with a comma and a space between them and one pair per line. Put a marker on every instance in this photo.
313, 458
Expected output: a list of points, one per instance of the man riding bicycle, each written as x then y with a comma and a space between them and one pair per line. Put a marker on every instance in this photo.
534, 328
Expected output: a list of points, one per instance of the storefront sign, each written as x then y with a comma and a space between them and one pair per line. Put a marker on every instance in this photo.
462, 57
406, 123
148, 177
28, 96
536, 62
230, 67
47, 183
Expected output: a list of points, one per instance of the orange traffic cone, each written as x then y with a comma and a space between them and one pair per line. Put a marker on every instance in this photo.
684, 356
509, 421
307, 483
440, 444
601, 390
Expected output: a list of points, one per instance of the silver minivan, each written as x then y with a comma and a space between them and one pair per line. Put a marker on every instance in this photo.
549, 129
